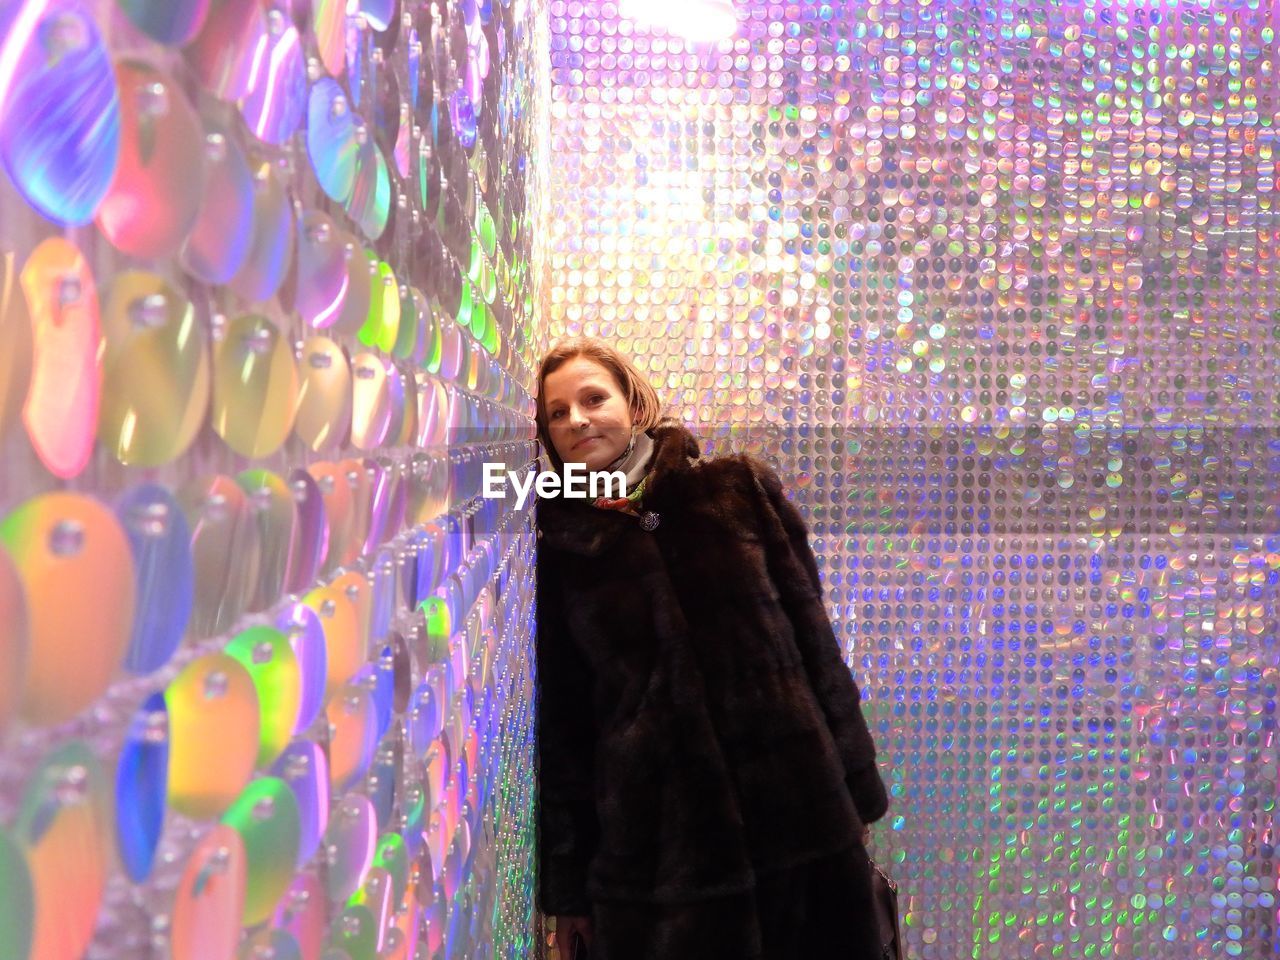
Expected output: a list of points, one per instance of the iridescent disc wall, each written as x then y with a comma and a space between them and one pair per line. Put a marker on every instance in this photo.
995, 285
268, 297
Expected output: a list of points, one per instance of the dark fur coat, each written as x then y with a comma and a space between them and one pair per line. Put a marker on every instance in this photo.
696, 721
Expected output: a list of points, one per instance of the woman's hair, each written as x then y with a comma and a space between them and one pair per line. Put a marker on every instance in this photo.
642, 399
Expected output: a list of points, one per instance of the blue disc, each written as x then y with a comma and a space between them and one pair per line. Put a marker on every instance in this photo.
384, 689
59, 108
425, 575
378, 13
409, 569
462, 113
331, 139
415, 66
160, 540
142, 779
379, 683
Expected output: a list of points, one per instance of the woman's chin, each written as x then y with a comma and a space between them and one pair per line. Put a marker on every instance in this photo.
591, 459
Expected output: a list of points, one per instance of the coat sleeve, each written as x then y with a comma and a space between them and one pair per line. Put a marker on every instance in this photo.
795, 571
565, 740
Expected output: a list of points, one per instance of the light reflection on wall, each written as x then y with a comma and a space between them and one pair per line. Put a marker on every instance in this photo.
993, 285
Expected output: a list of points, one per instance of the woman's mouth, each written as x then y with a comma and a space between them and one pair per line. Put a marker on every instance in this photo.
584, 442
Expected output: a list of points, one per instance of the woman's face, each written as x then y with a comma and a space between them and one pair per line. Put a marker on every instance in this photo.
588, 418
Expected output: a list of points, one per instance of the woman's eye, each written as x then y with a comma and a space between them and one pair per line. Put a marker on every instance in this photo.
556, 415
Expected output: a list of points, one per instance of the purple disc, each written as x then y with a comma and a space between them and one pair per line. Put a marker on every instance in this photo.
59, 108
277, 98
379, 482
310, 535
302, 626
304, 768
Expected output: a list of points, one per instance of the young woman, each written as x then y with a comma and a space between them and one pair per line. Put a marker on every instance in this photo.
705, 773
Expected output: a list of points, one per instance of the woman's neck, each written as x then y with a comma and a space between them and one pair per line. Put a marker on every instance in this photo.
634, 462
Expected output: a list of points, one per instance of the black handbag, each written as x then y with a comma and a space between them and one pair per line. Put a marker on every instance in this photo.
884, 891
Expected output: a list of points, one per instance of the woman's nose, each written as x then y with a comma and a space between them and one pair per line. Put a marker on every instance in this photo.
577, 419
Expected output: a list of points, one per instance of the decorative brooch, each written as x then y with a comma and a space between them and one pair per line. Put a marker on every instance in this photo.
649, 519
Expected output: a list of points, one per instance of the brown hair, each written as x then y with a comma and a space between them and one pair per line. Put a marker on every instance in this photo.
642, 399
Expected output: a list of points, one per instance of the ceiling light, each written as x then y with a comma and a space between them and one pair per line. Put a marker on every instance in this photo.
702, 21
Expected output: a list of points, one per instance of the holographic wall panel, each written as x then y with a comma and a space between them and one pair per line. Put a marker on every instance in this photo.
994, 285
268, 297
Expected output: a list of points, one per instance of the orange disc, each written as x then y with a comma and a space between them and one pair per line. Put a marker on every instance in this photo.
213, 734
77, 575
61, 412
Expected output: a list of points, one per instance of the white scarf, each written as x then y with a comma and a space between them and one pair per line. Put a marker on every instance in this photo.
634, 461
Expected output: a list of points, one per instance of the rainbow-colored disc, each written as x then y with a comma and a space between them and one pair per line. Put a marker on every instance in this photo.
303, 912
172, 22
382, 326
151, 205
273, 509
59, 108
209, 904
219, 241
350, 842
324, 400
361, 266
277, 99
255, 387
332, 143
221, 57
17, 899
302, 626
329, 22
369, 203
360, 482
305, 768
355, 587
266, 817
271, 245
224, 549
64, 829
267, 655
352, 735
323, 284
371, 401
213, 734
338, 618
161, 544
64, 544
335, 490
357, 933
155, 388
